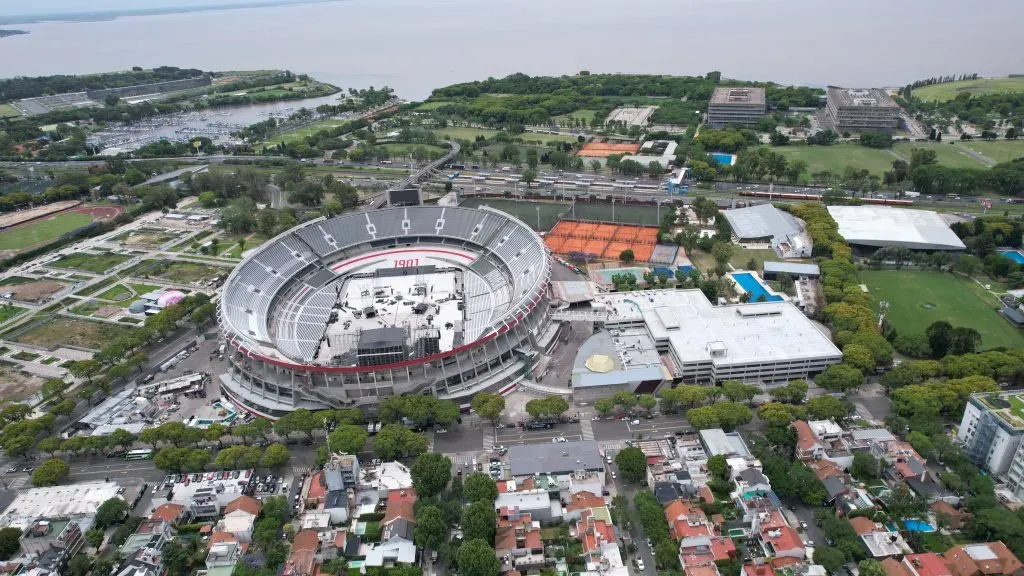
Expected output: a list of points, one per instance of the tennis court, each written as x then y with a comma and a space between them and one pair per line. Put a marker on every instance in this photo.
602, 240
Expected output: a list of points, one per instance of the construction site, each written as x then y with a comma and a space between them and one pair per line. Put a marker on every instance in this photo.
602, 241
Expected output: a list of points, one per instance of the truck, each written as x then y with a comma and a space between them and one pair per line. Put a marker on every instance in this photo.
911, 194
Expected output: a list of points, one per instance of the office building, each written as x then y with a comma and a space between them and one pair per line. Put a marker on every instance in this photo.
862, 109
733, 106
991, 430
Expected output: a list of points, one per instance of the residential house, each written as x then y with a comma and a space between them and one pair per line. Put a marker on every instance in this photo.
686, 520
761, 569
517, 542
225, 551
834, 488
782, 541
400, 504
983, 559
882, 542
240, 517
50, 544
581, 502
303, 556
396, 546
538, 503
807, 444
169, 512
927, 564
705, 551
825, 468
152, 534
956, 516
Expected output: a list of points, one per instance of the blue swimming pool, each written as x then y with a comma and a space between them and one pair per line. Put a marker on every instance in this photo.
915, 525
757, 291
1014, 255
723, 158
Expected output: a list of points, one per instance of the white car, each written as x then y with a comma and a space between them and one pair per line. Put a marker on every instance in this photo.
640, 565
635, 422
614, 476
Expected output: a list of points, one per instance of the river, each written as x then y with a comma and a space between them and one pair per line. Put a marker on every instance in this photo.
416, 45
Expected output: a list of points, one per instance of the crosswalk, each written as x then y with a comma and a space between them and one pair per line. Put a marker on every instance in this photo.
488, 438
18, 481
587, 429
300, 470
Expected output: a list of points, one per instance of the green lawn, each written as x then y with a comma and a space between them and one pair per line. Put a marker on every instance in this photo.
42, 231
96, 263
15, 280
545, 138
73, 332
115, 293
306, 131
464, 133
7, 312
8, 111
950, 90
947, 154
432, 105
142, 288
582, 114
998, 150
918, 298
836, 158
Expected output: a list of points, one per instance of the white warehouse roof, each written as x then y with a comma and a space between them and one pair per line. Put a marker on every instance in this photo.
889, 226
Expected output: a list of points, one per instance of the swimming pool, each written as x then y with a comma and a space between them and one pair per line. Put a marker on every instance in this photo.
916, 525
757, 291
723, 158
1014, 255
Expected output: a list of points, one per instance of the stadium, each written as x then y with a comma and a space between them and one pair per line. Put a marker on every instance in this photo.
342, 312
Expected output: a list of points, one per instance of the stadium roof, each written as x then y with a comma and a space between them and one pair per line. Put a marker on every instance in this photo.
737, 95
884, 226
762, 221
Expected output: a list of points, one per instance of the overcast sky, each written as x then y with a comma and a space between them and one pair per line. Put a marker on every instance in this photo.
21, 7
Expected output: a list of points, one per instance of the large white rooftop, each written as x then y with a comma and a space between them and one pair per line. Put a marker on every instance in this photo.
738, 335
57, 502
889, 226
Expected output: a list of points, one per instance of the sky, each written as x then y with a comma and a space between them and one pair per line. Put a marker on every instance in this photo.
40, 7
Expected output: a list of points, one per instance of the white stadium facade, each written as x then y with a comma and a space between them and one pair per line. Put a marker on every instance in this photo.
343, 312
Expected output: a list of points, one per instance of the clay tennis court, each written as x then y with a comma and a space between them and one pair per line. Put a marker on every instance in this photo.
602, 240
605, 149
100, 212
49, 225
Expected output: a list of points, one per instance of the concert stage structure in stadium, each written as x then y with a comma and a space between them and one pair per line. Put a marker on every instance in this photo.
345, 311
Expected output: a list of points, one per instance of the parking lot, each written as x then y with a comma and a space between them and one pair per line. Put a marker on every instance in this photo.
513, 435
614, 429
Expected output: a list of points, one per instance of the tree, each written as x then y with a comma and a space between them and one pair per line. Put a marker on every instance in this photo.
719, 467
793, 392
632, 463
50, 473
347, 439
859, 357
939, 335
722, 252
646, 401
627, 255
50, 445
430, 473
912, 345
300, 420
53, 389
94, 537
964, 341
80, 565
604, 406
840, 378
395, 441
739, 392
865, 466
869, 567
111, 512
431, 530
703, 418
174, 558
9, 542
488, 406
529, 176
275, 456
829, 558
480, 487
922, 444
479, 519
476, 558
826, 408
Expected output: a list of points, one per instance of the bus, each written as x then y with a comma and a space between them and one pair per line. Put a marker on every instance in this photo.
139, 455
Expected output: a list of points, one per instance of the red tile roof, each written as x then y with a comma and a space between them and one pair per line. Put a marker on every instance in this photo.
706, 494
927, 564
723, 548
304, 547
825, 468
244, 503
678, 514
317, 487
783, 561
787, 539
219, 537
894, 567
533, 539
404, 495
583, 500
961, 563
762, 570
805, 439
169, 512
399, 509
904, 470
505, 538
710, 570
862, 525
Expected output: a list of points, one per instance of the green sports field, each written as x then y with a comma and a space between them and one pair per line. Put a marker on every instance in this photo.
8, 111
950, 90
998, 150
95, 263
836, 158
947, 154
42, 231
918, 298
